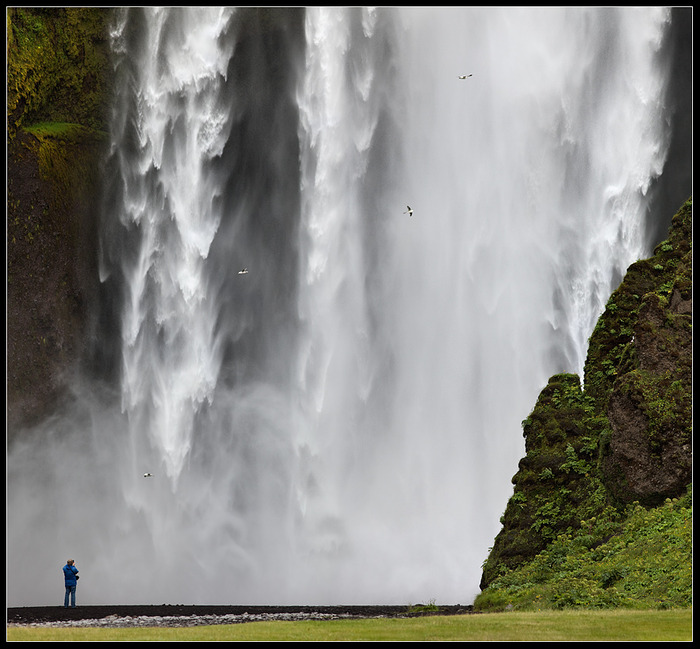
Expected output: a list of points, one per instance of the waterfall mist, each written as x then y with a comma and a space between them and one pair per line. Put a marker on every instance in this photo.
339, 424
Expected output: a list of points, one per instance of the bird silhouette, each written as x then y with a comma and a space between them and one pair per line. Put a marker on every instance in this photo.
409, 211
465, 76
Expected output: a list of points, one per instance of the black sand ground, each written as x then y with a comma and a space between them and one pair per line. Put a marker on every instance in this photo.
46, 614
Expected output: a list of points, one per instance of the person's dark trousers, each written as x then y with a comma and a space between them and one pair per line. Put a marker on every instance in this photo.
70, 590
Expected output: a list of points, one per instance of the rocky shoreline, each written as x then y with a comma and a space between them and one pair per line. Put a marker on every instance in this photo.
185, 616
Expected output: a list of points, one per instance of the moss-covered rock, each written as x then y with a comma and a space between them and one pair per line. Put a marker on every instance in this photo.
640, 558
626, 435
57, 66
615, 343
558, 482
649, 454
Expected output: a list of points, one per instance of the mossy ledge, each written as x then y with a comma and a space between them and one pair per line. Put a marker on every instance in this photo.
602, 455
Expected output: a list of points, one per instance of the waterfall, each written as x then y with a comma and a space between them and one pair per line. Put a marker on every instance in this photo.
340, 423
170, 352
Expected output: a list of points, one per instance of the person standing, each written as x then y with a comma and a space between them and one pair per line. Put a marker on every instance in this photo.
70, 574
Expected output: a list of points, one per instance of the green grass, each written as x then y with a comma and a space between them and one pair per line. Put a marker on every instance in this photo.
569, 625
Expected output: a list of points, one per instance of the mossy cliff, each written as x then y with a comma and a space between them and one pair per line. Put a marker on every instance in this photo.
594, 454
57, 92
57, 66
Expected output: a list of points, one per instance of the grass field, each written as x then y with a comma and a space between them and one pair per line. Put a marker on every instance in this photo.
573, 625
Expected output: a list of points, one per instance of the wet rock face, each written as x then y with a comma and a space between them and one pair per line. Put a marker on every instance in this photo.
639, 467
51, 259
663, 333
41, 317
650, 411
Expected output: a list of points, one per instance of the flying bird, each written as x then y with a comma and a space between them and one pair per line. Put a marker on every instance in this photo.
409, 211
243, 271
465, 76
147, 475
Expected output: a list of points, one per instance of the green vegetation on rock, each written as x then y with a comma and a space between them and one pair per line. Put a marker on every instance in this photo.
57, 66
645, 561
602, 496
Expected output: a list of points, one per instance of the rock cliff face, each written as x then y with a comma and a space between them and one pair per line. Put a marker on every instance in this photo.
51, 267
625, 436
58, 77
650, 407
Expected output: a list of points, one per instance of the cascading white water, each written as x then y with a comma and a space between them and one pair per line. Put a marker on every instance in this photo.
170, 352
341, 424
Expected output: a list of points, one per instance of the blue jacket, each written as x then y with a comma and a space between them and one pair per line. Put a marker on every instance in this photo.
69, 572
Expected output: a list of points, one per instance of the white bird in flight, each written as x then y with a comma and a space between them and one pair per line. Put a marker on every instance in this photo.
409, 211
243, 271
465, 76
147, 475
